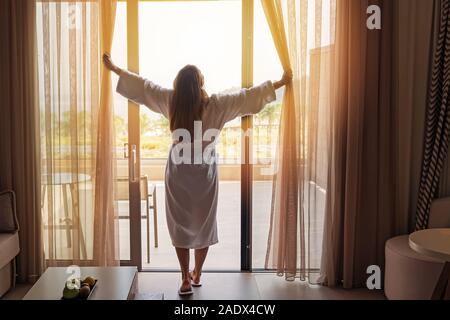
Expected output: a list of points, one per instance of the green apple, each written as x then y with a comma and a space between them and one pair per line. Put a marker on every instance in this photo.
70, 293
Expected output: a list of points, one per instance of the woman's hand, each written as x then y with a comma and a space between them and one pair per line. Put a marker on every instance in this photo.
287, 77
110, 65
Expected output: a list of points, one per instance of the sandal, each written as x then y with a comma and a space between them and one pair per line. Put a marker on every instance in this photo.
185, 293
194, 284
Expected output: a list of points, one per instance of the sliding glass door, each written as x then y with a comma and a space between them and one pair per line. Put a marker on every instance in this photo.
156, 39
230, 42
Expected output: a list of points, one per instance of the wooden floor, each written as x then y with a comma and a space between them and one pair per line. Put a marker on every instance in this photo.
251, 286
236, 286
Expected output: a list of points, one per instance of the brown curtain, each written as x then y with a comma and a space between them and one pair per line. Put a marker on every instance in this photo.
19, 123
303, 34
437, 134
360, 213
413, 36
77, 132
444, 182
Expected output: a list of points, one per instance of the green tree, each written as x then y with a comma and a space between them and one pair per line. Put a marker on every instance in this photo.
120, 128
162, 126
145, 122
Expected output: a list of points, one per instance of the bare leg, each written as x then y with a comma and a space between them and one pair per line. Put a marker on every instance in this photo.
200, 256
183, 258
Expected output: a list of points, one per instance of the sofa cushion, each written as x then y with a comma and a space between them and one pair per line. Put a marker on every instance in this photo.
8, 222
9, 247
5, 279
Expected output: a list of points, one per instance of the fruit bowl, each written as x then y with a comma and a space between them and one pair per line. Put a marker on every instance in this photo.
76, 289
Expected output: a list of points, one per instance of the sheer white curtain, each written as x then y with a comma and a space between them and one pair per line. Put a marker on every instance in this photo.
303, 32
77, 133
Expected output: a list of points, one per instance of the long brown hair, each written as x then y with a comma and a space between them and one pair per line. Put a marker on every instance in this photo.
188, 100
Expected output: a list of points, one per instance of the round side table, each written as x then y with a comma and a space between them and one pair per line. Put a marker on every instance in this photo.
435, 243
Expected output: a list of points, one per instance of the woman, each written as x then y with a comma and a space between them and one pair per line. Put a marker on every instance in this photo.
191, 179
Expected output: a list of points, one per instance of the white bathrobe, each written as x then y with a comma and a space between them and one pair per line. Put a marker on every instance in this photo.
192, 189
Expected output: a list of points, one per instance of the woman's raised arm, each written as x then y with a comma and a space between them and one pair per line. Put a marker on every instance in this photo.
140, 90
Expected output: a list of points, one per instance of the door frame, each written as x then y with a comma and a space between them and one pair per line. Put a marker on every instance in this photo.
246, 140
134, 162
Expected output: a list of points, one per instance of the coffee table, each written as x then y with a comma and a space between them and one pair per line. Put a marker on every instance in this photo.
435, 243
114, 283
